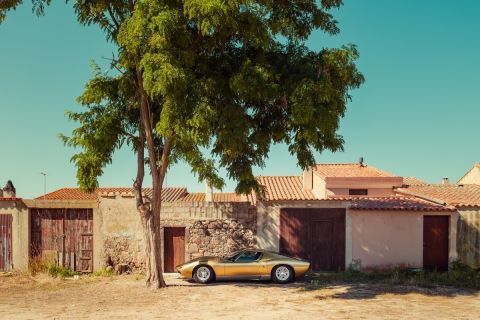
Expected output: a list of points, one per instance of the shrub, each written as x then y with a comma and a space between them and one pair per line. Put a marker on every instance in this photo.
105, 272
59, 271
459, 275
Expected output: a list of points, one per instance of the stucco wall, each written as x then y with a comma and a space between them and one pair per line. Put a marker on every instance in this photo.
469, 236
384, 239
210, 229
373, 192
471, 177
20, 232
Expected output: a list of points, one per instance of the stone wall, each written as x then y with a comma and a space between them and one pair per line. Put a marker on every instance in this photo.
210, 228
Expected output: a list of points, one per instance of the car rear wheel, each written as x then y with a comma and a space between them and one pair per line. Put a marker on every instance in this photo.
203, 274
282, 274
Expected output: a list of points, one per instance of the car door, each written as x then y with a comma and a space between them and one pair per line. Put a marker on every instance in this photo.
247, 264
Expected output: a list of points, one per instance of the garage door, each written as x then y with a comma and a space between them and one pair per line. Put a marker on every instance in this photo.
5, 242
317, 235
63, 236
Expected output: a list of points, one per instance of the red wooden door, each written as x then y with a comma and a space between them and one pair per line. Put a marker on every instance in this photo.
5, 242
435, 243
174, 248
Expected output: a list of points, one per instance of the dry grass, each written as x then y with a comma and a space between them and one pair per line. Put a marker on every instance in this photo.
125, 297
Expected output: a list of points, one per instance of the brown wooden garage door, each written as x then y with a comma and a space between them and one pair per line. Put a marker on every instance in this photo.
5, 242
63, 236
317, 235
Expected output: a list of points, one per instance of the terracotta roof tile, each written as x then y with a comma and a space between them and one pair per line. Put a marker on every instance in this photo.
9, 199
397, 203
350, 170
413, 181
168, 194
217, 197
285, 188
456, 195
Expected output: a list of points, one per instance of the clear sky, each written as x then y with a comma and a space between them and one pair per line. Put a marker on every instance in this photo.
417, 114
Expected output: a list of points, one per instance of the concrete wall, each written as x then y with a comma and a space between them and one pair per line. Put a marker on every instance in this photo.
469, 236
384, 239
20, 232
210, 229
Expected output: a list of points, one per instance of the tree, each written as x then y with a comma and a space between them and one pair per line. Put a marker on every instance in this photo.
212, 83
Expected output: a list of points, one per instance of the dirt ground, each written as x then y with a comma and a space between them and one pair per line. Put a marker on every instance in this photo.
125, 297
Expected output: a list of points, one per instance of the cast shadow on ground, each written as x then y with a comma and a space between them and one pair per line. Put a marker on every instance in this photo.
345, 289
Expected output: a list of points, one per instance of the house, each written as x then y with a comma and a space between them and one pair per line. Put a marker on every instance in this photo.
466, 199
472, 176
335, 215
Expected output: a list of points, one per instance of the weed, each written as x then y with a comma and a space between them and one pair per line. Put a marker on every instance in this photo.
62, 272
105, 272
459, 275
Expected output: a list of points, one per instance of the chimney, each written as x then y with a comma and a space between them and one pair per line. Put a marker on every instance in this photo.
308, 179
208, 192
360, 162
9, 190
445, 181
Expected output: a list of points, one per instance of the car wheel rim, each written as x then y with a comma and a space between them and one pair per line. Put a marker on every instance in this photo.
282, 273
203, 273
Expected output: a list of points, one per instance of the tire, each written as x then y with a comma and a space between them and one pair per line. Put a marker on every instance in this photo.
283, 274
203, 274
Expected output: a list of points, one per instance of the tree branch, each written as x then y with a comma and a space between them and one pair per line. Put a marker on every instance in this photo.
112, 15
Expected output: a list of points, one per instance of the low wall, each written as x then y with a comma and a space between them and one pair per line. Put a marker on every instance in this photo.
210, 229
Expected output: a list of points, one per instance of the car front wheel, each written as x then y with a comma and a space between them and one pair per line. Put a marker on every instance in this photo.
203, 274
282, 274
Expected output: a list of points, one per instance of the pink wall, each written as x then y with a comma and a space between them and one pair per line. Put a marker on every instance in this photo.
373, 192
382, 239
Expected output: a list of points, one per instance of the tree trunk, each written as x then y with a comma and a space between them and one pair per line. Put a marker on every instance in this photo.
150, 212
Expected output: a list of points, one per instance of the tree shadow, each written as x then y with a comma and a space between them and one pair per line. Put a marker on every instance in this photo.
364, 291
347, 290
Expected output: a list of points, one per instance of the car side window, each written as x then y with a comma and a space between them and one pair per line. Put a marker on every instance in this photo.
249, 256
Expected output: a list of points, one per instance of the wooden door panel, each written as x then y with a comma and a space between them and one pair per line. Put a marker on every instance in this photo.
322, 245
174, 247
435, 242
5, 242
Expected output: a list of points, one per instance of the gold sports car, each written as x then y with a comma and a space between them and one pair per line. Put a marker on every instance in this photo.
251, 264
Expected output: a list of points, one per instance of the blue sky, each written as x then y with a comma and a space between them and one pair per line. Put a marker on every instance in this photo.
417, 114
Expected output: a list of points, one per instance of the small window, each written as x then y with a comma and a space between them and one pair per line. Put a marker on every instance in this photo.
358, 192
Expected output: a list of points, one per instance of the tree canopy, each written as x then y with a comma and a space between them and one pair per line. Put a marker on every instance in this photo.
226, 79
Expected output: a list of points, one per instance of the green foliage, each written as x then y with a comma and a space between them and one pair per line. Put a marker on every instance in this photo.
105, 272
62, 272
459, 275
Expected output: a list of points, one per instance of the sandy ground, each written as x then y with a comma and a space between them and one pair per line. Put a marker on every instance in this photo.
125, 297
